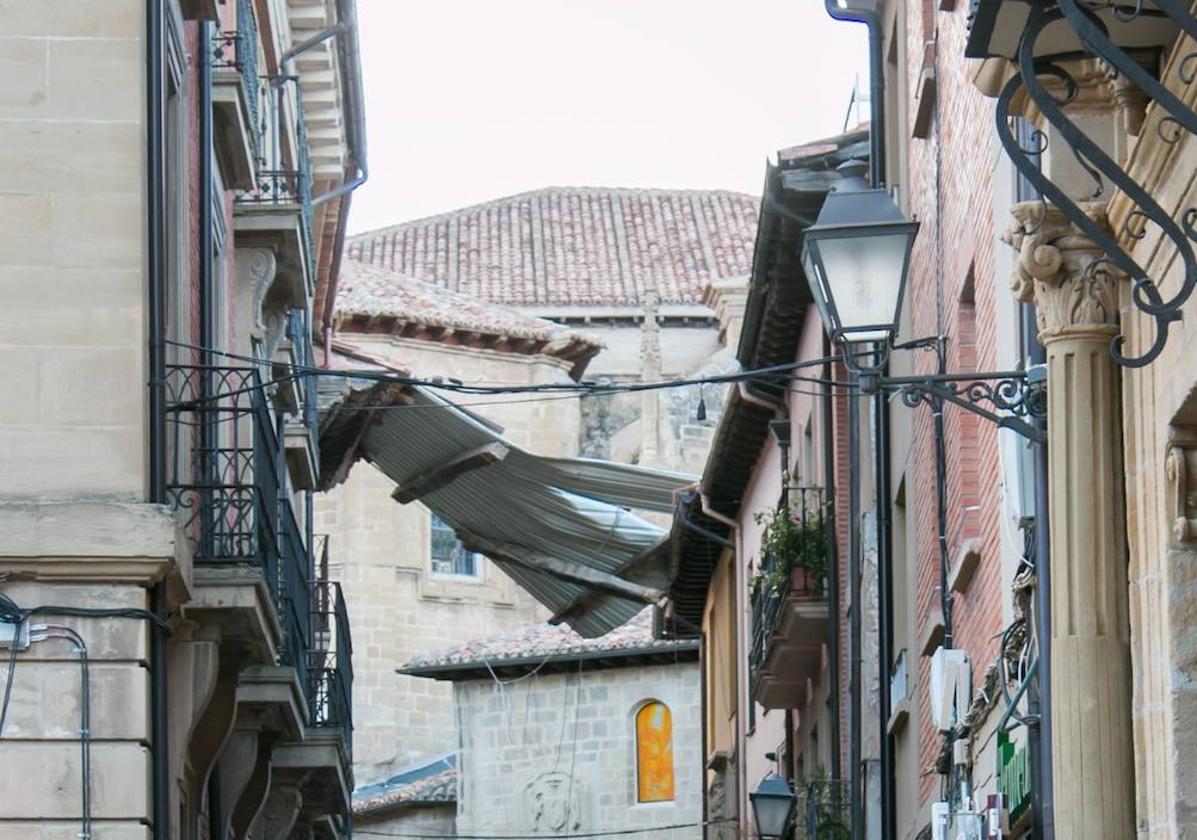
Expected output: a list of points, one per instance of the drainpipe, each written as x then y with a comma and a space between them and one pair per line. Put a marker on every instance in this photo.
155, 304
348, 47
833, 579
840, 10
741, 659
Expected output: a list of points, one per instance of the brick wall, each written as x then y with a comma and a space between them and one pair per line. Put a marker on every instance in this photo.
951, 194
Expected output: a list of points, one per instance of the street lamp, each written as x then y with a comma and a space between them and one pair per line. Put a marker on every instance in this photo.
856, 257
773, 805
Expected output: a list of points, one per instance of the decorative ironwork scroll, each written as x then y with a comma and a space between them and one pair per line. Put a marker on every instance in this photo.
1175, 118
1006, 399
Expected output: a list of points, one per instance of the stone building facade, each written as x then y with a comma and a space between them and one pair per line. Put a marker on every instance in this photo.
178, 669
550, 744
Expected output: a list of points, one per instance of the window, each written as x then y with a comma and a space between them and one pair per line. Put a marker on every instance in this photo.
654, 753
449, 556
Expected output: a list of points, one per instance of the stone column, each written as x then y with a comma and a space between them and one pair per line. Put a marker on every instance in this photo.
1076, 301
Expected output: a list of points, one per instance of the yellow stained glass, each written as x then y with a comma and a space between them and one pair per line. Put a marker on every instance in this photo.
654, 753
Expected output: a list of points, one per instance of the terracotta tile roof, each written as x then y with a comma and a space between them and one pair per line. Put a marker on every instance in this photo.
544, 642
575, 246
430, 784
373, 299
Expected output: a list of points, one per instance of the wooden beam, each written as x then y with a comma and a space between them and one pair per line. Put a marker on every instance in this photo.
443, 474
565, 569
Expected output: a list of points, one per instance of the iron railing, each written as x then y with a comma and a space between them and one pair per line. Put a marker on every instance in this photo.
330, 694
282, 178
237, 49
800, 571
226, 485
300, 334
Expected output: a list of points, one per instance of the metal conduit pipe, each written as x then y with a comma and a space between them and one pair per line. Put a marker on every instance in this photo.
155, 109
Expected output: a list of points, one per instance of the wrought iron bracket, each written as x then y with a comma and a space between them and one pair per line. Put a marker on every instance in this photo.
1009, 399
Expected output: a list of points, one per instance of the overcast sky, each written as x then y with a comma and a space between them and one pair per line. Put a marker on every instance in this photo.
469, 100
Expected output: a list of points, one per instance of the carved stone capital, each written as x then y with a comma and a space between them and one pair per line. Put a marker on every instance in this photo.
1180, 475
1062, 271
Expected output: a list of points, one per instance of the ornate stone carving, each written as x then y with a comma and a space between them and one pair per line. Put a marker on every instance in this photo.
280, 812
1180, 473
258, 267
1061, 270
555, 803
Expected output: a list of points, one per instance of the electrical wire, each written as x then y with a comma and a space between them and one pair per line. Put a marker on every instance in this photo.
624, 832
581, 387
69, 633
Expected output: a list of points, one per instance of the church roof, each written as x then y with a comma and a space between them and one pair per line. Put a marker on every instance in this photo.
575, 246
543, 646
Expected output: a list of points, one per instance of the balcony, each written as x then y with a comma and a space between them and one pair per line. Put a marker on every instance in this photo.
275, 210
225, 483
790, 612
235, 96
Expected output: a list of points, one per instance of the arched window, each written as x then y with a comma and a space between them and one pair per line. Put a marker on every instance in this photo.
654, 753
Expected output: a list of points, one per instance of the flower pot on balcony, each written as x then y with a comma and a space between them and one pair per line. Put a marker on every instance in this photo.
803, 582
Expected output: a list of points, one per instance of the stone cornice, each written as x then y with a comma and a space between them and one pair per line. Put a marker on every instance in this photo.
94, 541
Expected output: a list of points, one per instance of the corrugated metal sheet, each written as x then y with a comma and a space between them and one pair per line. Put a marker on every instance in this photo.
573, 510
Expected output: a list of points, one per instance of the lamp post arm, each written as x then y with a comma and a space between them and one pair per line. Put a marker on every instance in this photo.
1012, 393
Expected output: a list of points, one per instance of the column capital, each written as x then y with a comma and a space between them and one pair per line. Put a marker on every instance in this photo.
1075, 290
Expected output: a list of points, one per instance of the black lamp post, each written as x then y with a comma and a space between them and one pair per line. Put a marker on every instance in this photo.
856, 256
773, 804
857, 261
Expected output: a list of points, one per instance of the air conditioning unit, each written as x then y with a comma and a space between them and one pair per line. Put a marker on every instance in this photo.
951, 687
941, 818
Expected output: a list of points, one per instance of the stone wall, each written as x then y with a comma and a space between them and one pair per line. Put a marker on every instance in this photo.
572, 736
72, 362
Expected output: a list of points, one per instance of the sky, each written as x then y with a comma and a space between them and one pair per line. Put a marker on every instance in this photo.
469, 100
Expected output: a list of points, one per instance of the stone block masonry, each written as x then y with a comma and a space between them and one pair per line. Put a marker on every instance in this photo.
569, 739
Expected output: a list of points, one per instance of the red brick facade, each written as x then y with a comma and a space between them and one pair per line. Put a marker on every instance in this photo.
953, 292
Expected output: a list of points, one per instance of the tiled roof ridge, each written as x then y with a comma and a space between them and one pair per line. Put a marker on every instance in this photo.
551, 190
548, 641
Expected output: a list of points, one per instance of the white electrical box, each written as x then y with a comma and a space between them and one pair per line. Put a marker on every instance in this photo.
951, 687
14, 634
941, 817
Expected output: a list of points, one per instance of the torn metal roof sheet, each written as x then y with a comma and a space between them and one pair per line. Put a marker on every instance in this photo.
561, 528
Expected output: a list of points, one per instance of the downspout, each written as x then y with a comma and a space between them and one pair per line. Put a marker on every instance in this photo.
349, 48
838, 10
833, 579
741, 658
855, 746
155, 305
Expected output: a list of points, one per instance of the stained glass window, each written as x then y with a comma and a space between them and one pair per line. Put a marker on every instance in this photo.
654, 753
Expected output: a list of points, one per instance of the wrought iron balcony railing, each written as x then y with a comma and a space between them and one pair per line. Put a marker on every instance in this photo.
330, 695
283, 178
226, 483
300, 334
238, 50
801, 570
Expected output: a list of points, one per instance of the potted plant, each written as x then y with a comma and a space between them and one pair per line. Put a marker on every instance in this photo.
795, 548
